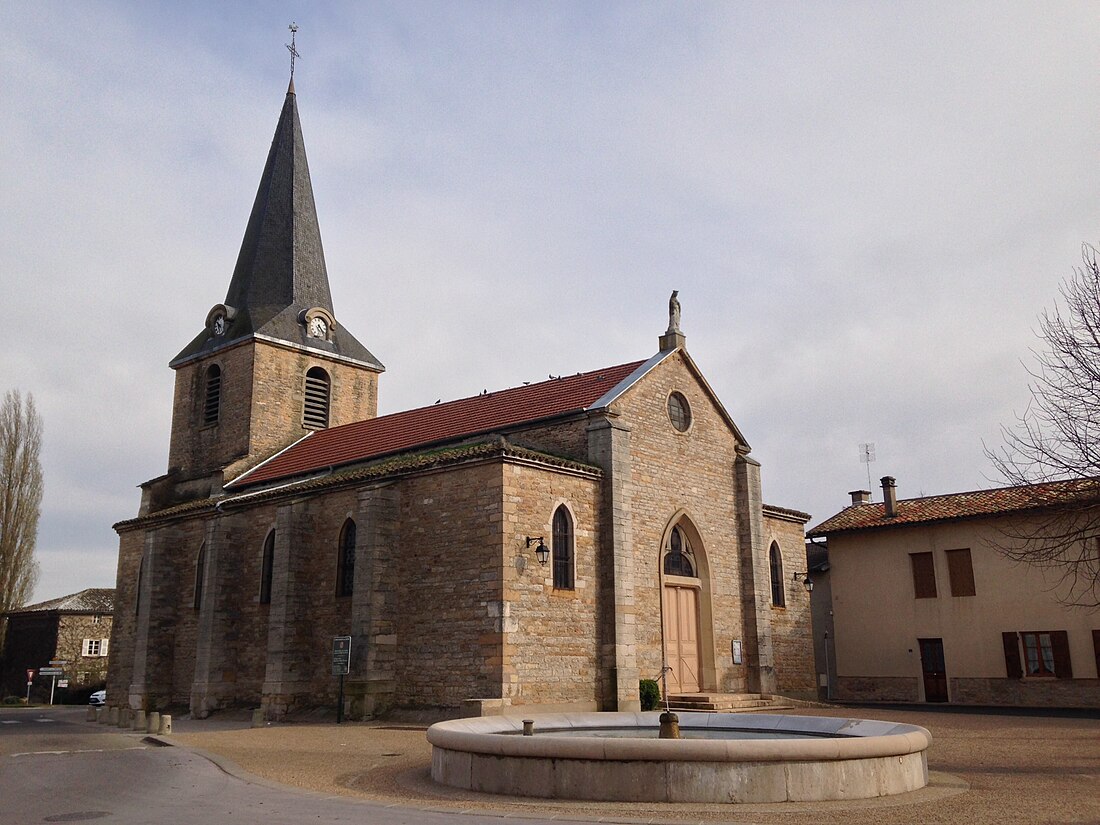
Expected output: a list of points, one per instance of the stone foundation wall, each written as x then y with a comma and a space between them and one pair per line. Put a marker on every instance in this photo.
1063, 693
877, 689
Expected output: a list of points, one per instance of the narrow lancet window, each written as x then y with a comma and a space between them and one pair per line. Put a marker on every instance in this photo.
345, 572
563, 549
775, 563
267, 568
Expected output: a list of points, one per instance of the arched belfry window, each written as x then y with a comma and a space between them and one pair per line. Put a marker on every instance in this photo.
678, 561
775, 563
200, 570
212, 401
315, 409
563, 549
345, 562
267, 568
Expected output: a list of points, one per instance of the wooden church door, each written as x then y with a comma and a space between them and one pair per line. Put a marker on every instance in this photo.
681, 618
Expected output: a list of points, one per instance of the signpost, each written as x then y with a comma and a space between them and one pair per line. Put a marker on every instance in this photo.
341, 666
53, 673
30, 681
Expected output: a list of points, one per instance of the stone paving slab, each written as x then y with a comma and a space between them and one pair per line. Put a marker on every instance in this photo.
985, 768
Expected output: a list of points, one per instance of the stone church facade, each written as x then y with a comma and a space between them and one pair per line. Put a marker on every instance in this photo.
540, 547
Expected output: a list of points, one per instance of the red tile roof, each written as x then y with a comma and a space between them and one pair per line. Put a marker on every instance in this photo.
438, 423
1073, 493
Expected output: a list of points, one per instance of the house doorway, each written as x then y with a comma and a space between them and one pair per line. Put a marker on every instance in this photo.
934, 670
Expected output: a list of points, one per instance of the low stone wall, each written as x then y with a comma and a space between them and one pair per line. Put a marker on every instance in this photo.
851, 759
877, 689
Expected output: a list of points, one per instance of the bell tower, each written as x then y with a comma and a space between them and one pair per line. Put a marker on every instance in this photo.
272, 362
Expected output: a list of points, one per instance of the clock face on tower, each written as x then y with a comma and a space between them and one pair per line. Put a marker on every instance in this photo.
318, 327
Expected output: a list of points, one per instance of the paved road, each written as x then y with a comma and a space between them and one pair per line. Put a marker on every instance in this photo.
55, 767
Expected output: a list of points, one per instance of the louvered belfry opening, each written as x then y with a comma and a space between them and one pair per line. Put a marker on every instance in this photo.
212, 403
315, 410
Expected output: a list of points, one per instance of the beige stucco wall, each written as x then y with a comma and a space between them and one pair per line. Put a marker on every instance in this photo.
878, 620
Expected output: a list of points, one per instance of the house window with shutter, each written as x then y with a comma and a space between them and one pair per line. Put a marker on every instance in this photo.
1045, 654
94, 648
924, 575
316, 406
960, 572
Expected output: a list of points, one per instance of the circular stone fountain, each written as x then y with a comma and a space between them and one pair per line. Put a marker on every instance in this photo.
744, 757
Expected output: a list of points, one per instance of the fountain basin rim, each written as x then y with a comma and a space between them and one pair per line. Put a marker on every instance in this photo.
856, 738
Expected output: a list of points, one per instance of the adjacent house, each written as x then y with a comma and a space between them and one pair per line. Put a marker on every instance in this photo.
74, 629
926, 608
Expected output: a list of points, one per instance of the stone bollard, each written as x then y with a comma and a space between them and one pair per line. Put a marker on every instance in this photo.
670, 726
90, 715
124, 717
152, 722
258, 718
112, 718
165, 725
138, 721
528, 727
103, 714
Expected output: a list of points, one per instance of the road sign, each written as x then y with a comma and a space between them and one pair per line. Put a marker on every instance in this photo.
50, 671
341, 655
30, 675
58, 662
62, 682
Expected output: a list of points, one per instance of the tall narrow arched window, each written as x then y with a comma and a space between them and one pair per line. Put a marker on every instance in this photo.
140, 579
775, 562
267, 567
563, 549
315, 408
200, 569
678, 558
345, 562
212, 401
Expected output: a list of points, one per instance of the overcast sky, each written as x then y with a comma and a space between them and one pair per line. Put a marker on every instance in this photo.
864, 206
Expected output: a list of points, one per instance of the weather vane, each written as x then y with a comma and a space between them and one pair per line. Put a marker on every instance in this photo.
290, 48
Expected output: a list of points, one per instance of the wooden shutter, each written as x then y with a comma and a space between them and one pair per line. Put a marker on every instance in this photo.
1013, 666
1059, 641
960, 571
924, 575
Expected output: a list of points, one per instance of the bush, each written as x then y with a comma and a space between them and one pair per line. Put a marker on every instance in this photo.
14, 700
650, 694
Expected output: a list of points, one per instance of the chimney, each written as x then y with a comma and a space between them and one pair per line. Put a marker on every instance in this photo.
890, 496
860, 497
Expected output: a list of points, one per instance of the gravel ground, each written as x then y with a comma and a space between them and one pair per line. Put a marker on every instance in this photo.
985, 768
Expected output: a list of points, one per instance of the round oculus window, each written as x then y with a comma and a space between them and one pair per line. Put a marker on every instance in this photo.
679, 413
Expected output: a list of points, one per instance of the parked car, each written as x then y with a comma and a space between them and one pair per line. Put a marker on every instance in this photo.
98, 698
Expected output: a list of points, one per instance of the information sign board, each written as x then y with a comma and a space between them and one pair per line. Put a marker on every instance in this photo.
50, 671
341, 655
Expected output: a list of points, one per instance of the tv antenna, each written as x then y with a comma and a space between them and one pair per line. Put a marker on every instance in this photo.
866, 456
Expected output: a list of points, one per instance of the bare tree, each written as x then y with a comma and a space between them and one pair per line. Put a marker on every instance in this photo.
1057, 440
20, 499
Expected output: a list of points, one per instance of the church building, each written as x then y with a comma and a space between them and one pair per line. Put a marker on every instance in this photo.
542, 547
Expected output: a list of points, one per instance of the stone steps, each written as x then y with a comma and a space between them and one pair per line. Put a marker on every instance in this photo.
726, 702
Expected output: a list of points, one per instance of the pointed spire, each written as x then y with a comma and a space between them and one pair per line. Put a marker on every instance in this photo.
280, 272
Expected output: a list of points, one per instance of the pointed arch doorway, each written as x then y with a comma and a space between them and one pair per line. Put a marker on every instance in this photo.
680, 596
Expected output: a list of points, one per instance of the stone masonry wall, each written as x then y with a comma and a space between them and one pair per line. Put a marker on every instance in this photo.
684, 476
120, 655
792, 627
450, 613
550, 645
72, 630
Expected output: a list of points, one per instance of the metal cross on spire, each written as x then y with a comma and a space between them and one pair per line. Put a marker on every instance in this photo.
293, 51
